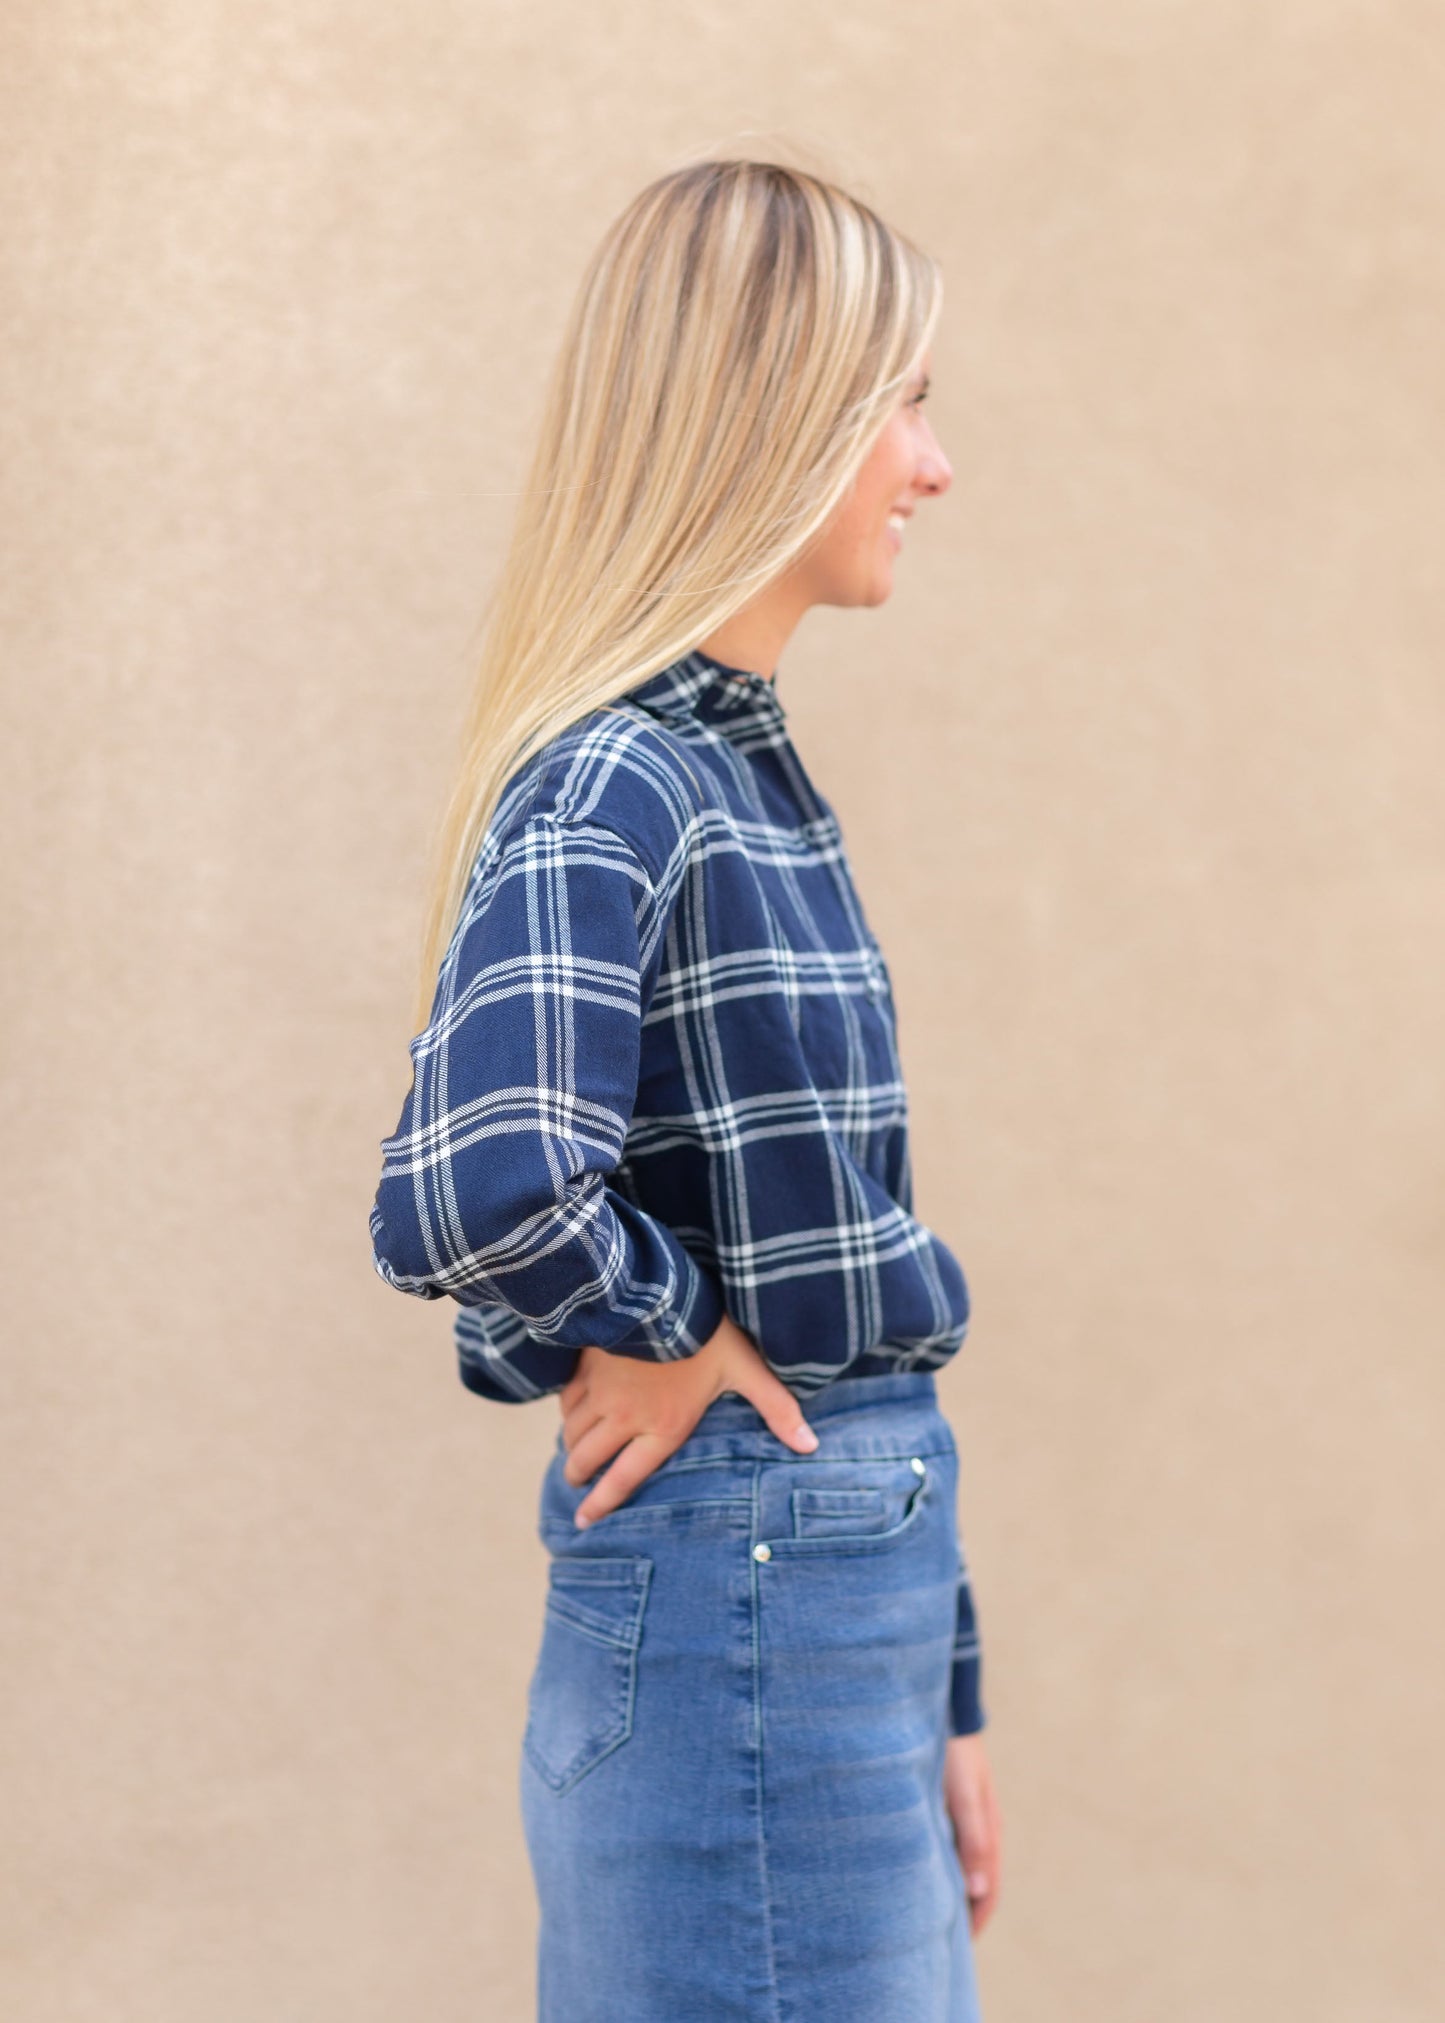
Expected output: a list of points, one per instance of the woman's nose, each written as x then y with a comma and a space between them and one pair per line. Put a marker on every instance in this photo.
935, 473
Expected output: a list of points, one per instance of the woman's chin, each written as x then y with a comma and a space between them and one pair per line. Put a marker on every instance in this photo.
864, 593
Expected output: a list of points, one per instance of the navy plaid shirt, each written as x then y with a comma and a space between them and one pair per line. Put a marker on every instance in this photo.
660, 1077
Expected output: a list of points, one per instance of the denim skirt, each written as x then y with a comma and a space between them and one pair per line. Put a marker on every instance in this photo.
732, 1766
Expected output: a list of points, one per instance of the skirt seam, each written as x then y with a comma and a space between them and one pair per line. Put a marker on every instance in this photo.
758, 1784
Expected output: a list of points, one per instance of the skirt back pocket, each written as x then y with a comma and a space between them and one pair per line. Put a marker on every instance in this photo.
581, 1693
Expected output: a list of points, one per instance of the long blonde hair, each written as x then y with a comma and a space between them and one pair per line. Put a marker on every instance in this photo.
739, 339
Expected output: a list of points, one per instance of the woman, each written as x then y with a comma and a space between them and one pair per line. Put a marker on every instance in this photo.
656, 1150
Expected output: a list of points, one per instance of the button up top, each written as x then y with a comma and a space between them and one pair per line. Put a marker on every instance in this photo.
660, 1077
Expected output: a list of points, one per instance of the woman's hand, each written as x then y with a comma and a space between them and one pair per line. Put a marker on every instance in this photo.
646, 1410
972, 1806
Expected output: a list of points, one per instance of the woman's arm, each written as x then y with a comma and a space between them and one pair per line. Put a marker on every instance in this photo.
495, 1183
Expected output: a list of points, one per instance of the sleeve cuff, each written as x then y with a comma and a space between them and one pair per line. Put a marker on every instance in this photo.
965, 1705
688, 1318
966, 1715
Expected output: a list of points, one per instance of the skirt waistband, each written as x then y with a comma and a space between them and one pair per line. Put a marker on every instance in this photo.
732, 1412
867, 1417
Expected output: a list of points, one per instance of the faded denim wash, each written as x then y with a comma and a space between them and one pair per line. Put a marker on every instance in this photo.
732, 1767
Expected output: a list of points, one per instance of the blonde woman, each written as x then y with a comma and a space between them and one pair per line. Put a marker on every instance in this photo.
656, 1150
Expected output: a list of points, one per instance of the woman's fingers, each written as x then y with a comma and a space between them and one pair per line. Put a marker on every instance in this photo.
592, 1444
780, 1409
577, 1421
634, 1464
625, 1398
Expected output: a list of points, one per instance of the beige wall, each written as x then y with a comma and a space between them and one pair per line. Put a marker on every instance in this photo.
1141, 772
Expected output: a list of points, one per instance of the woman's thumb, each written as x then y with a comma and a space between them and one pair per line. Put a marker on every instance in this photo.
780, 1409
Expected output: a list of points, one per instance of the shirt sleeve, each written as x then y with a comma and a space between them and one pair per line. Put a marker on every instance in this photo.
966, 1713
495, 1186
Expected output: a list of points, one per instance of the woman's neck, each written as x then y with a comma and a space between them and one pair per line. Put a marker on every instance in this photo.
753, 638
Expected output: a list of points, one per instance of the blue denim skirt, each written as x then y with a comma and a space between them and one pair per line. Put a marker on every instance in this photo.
732, 1767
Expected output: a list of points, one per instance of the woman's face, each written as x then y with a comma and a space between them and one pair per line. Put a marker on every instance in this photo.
852, 562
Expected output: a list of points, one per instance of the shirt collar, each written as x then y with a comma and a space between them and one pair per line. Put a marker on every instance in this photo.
733, 698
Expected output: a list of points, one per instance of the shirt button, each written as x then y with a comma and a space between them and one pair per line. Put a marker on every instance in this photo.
762, 1552
918, 1466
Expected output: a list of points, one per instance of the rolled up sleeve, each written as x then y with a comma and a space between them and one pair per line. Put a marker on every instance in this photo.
496, 1184
966, 1711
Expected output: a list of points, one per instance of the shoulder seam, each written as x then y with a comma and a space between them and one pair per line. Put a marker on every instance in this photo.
581, 825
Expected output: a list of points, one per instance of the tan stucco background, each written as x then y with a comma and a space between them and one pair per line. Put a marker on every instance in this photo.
1141, 774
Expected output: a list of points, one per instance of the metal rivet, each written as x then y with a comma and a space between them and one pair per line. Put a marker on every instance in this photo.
762, 1552
917, 1466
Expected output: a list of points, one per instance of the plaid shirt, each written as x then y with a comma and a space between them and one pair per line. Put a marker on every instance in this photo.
660, 1077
